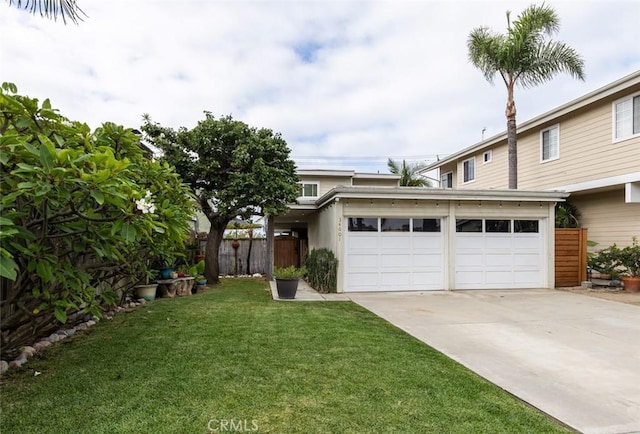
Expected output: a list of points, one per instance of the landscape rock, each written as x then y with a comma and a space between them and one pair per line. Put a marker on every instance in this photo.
45, 344
28, 351
91, 323
256, 275
70, 332
19, 361
82, 326
54, 338
4, 366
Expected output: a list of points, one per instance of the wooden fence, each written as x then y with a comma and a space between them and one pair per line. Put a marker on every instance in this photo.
287, 251
571, 257
227, 257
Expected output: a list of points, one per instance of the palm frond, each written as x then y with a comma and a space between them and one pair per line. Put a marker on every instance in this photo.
52, 9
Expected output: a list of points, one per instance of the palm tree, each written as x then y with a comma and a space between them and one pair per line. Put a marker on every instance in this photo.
52, 9
409, 173
522, 56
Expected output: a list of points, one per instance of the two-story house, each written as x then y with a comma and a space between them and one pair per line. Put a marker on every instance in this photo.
392, 238
589, 147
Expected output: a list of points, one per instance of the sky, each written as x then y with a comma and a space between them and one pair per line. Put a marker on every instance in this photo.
347, 84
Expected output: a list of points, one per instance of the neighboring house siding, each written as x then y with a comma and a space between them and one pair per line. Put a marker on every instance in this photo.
607, 218
587, 152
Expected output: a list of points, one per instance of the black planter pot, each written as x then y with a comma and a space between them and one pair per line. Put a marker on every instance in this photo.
287, 287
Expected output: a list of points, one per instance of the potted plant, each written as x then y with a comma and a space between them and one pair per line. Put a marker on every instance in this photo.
629, 260
147, 290
197, 271
605, 262
287, 280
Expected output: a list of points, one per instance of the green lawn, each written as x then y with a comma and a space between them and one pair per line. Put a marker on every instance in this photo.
231, 359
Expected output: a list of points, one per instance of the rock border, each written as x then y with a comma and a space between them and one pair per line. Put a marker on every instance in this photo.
29, 351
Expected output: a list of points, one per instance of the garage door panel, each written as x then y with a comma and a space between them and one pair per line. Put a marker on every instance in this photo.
499, 260
466, 260
395, 242
427, 260
528, 278
498, 277
527, 260
494, 241
363, 261
396, 261
362, 242
392, 280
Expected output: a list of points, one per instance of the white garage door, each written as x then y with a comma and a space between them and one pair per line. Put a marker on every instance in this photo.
498, 254
394, 254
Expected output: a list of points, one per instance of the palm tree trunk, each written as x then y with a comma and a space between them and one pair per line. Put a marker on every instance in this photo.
512, 149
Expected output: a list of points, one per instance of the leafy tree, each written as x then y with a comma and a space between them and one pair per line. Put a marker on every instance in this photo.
82, 214
67, 9
409, 173
523, 56
567, 215
233, 169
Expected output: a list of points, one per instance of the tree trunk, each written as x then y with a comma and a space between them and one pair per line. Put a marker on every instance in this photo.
512, 149
249, 256
270, 236
211, 265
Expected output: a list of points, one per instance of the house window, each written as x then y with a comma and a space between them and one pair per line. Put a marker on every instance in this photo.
494, 226
394, 225
363, 224
309, 190
466, 225
626, 118
426, 225
525, 226
446, 180
469, 169
550, 143
487, 156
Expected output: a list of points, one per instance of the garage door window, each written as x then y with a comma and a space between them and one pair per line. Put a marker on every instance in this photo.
426, 225
466, 225
525, 226
363, 224
498, 226
394, 225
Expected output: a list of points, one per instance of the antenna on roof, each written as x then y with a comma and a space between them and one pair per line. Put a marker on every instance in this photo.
483, 130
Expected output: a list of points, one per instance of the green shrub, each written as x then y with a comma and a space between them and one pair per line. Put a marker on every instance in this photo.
291, 272
322, 267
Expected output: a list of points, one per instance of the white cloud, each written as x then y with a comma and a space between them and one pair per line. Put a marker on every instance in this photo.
355, 80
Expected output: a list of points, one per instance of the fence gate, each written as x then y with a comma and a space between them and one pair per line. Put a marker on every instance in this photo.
571, 257
286, 251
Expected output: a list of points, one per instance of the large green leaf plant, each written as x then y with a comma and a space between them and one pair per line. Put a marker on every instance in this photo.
82, 216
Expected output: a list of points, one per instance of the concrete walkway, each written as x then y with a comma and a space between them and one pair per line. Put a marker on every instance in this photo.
575, 357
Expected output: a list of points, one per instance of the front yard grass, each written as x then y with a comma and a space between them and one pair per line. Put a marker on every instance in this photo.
230, 359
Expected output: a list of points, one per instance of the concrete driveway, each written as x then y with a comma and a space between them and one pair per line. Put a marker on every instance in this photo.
577, 358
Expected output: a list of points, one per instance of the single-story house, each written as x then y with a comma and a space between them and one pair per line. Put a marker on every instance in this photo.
392, 238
